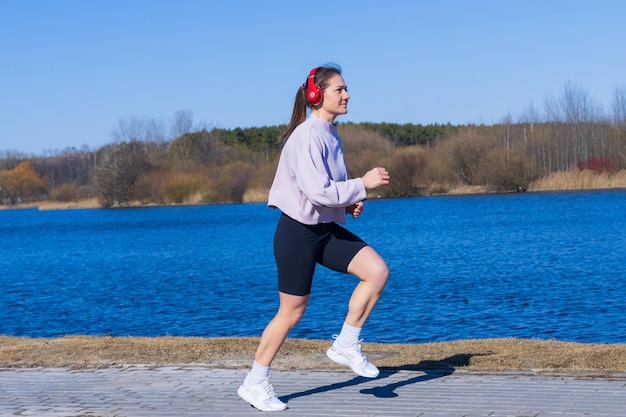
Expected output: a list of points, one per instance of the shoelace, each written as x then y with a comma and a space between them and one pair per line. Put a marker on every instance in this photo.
358, 351
269, 392
356, 348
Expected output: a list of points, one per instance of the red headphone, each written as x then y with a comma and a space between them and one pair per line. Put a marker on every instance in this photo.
313, 91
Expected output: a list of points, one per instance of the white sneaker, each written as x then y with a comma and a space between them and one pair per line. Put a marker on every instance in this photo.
354, 358
261, 397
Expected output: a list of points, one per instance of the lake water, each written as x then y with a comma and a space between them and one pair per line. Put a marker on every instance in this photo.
540, 266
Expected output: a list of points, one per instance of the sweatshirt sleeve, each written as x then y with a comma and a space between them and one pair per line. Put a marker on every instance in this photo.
321, 174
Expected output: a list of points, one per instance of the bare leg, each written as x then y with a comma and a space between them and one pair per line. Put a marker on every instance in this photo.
373, 272
290, 312
256, 388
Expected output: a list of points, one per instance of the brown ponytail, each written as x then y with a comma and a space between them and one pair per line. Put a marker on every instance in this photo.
299, 113
301, 103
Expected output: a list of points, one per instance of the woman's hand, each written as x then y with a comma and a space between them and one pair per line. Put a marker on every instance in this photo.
355, 210
375, 178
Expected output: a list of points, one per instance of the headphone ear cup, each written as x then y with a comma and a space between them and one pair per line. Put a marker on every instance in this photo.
314, 94
313, 91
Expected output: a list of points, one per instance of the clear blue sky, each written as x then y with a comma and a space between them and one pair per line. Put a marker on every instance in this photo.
71, 70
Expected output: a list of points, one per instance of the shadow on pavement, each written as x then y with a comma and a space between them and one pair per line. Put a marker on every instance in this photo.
427, 370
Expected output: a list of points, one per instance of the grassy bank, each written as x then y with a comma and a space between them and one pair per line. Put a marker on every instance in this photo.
488, 355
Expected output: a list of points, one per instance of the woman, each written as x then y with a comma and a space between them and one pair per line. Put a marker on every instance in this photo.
312, 189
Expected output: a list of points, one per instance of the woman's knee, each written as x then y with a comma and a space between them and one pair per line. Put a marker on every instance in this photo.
380, 273
292, 317
292, 308
369, 267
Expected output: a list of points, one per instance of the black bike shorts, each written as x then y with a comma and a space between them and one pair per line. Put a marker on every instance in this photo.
299, 247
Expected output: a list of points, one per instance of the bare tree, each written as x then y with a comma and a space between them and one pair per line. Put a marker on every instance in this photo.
580, 112
182, 123
407, 165
529, 119
619, 106
183, 141
135, 129
119, 167
619, 120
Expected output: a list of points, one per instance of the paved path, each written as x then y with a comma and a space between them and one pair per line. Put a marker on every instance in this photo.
196, 391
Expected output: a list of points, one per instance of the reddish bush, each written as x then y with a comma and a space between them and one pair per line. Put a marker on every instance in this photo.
598, 164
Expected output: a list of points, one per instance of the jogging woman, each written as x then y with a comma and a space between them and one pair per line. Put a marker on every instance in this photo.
312, 190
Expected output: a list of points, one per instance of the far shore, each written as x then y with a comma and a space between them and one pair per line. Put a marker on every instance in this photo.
558, 182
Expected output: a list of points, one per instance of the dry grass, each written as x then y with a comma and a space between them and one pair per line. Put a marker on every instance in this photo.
488, 355
579, 180
55, 205
255, 195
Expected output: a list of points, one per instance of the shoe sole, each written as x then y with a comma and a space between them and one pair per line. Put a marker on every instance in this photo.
335, 357
243, 394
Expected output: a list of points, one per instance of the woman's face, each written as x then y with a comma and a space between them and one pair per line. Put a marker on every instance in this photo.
336, 97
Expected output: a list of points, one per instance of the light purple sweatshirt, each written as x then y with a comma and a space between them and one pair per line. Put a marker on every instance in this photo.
311, 184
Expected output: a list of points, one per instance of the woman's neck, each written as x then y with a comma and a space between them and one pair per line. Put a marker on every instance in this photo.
324, 115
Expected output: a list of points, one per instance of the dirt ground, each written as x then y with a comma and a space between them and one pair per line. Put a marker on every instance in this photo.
487, 355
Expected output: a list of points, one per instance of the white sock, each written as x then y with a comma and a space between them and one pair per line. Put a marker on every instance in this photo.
349, 336
257, 375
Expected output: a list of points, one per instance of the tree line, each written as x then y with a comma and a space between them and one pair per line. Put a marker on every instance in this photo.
151, 163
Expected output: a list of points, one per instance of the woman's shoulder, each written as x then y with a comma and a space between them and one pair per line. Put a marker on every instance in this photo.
305, 129
318, 126
312, 130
